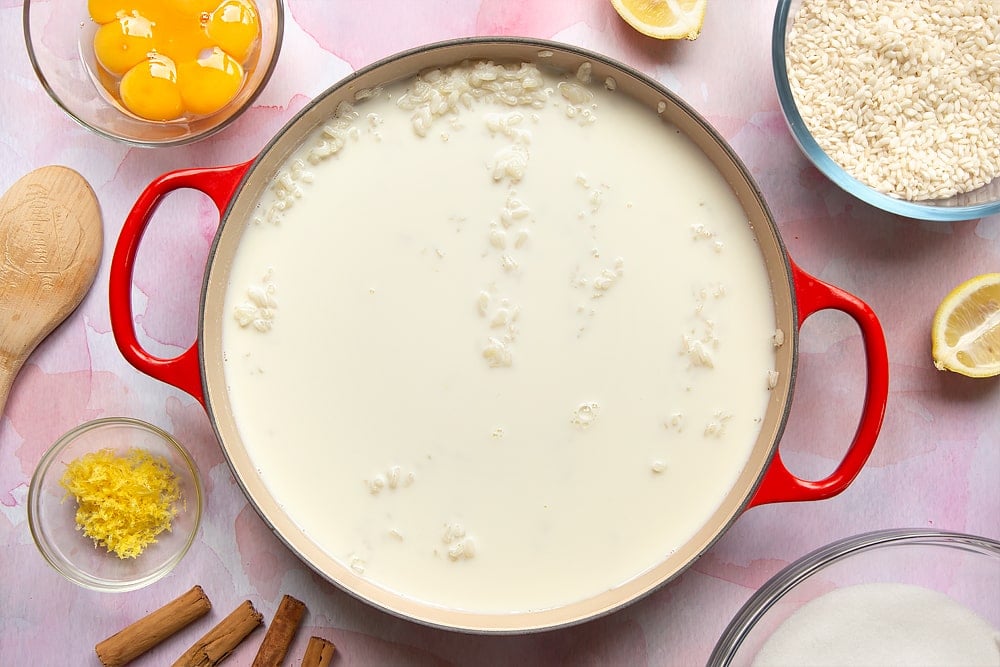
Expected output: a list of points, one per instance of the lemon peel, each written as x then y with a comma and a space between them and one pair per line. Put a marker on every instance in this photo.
663, 19
123, 502
965, 332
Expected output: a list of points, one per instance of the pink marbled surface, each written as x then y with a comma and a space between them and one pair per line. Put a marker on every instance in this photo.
937, 463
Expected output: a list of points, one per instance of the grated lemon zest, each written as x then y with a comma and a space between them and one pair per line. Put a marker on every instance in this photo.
123, 502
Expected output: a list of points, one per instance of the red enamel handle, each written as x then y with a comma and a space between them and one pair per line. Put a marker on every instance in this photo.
183, 371
778, 484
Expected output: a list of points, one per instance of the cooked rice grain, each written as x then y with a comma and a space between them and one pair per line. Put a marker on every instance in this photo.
903, 94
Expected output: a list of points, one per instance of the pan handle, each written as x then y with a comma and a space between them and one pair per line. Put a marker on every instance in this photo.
182, 371
778, 484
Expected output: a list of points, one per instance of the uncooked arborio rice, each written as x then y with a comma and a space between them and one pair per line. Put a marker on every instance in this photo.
903, 94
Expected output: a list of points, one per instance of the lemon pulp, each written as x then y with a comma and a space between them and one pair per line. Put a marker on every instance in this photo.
663, 19
965, 332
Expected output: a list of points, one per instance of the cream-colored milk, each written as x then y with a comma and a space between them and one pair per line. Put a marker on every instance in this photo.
510, 363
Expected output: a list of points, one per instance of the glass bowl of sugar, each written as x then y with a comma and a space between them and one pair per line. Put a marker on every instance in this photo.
896, 102
892, 597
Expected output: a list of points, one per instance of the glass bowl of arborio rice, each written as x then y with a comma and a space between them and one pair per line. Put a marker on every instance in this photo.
898, 597
896, 101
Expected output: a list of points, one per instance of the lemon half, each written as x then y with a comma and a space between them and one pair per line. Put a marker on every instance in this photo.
663, 19
965, 333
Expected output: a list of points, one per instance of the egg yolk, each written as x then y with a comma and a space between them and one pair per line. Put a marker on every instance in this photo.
174, 36
234, 26
123, 43
209, 83
175, 58
150, 89
201, 8
104, 11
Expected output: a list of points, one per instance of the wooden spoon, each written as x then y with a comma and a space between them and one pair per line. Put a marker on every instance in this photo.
50, 247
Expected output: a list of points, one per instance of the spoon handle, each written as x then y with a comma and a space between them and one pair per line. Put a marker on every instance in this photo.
8, 371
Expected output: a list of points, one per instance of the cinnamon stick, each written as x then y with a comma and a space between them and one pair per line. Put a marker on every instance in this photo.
280, 633
223, 639
132, 641
319, 652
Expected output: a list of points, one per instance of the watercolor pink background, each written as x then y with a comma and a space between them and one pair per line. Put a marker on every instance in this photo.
936, 465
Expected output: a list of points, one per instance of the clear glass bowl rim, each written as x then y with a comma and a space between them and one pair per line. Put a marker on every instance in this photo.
279, 28
832, 170
793, 574
67, 569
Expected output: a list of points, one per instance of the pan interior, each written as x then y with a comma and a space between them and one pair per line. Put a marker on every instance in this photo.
500, 361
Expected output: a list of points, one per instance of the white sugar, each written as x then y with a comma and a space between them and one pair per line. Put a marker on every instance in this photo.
882, 624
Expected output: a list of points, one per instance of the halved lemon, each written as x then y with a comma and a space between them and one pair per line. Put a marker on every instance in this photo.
965, 333
663, 19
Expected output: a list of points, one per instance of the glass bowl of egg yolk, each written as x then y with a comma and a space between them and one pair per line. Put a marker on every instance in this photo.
153, 72
115, 504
